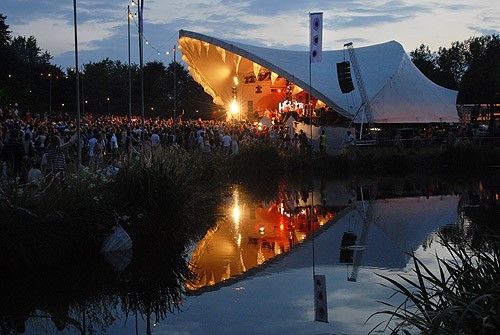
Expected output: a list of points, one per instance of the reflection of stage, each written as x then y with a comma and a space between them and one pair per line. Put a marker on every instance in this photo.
250, 236
392, 227
368, 234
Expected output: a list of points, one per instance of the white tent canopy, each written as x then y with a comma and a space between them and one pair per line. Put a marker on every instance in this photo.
397, 91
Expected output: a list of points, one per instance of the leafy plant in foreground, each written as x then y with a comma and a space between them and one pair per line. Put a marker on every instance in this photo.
463, 298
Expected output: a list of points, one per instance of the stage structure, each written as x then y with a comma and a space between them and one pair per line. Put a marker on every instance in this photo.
251, 81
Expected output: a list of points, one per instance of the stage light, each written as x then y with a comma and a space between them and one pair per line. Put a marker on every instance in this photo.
234, 108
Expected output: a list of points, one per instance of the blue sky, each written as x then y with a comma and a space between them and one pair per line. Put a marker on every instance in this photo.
102, 25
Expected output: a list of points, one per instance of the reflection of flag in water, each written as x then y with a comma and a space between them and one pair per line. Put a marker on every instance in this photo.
316, 27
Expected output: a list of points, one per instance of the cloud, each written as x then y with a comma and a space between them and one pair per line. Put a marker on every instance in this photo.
483, 31
102, 25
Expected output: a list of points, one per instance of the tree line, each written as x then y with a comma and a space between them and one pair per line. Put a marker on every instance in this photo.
29, 79
472, 67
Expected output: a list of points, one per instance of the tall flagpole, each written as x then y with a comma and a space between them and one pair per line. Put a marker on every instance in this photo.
175, 92
141, 62
79, 149
310, 122
129, 69
315, 55
129, 146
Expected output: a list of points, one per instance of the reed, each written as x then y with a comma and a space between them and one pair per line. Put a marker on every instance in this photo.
175, 195
462, 298
256, 160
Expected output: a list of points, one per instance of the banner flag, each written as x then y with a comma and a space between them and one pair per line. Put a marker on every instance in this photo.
320, 302
315, 44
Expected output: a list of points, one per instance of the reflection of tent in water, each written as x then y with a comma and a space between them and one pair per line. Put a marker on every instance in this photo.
395, 226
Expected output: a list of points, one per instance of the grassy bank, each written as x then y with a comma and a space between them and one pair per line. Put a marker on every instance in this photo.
61, 222
178, 194
463, 159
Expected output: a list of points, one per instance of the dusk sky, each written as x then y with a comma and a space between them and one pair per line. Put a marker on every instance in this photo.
102, 25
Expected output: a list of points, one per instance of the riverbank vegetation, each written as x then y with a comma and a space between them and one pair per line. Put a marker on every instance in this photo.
461, 297
176, 194
175, 197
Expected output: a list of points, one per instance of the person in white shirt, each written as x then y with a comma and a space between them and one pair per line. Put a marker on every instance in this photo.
155, 141
226, 144
234, 144
114, 145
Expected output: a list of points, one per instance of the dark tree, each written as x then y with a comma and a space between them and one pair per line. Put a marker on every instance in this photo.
191, 99
4, 32
424, 60
481, 81
29, 52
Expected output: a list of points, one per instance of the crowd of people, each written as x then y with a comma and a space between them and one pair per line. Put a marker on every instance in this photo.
33, 146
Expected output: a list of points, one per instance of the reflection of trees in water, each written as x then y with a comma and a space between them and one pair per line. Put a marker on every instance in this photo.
477, 228
154, 284
58, 295
256, 190
479, 214
87, 297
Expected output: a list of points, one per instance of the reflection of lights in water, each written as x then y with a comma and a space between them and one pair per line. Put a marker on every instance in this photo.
282, 226
300, 235
236, 210
260, 256
239, 240
236, 215
282, 209
277, 249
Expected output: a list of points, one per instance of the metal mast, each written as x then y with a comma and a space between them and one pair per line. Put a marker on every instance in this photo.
361, 86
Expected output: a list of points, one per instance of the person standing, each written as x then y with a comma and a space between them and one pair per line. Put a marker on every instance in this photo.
191, 142
349, 140
14, 155
322, 142
234, 144
114, 145
226, 140
56, 156
155, 141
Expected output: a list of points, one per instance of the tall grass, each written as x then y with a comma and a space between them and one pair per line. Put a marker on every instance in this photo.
257, 160
176, 195
54, 225
462, 298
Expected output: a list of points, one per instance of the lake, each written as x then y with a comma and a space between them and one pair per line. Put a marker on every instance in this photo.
253, 273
